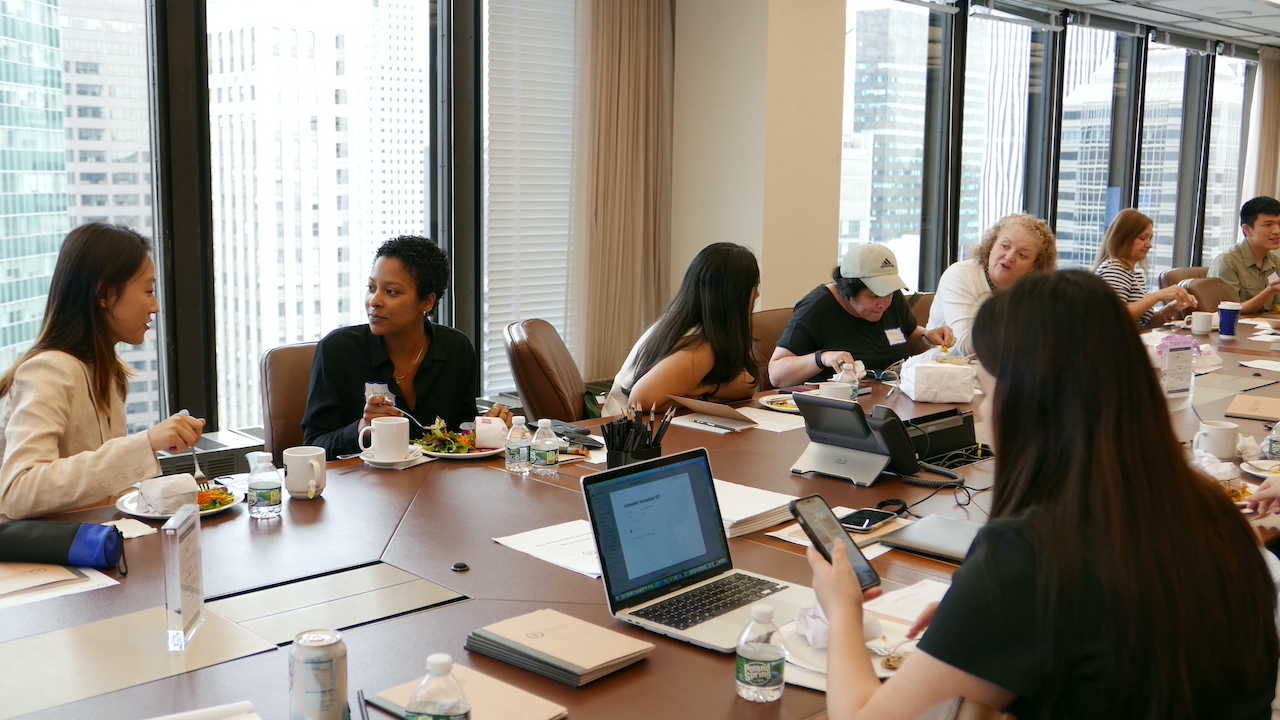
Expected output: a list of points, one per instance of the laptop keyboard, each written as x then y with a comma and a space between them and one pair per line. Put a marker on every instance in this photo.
711, 600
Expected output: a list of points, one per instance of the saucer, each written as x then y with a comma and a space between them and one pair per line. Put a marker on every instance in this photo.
413, 457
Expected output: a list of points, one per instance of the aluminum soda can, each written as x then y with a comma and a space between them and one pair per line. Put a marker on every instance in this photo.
318, 676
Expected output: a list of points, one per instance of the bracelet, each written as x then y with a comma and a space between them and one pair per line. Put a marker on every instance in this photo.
817, 359
927, 342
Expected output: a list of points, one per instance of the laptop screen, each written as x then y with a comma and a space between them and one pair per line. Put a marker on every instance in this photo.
657, 526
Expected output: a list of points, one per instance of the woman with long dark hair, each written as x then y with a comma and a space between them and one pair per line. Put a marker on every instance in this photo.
1112, 581
62, 403
701, 346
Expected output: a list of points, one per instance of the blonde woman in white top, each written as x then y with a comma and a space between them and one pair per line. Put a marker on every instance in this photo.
62, 403
1014, 246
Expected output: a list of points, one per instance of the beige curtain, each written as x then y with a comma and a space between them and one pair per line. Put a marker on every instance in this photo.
1262, 164
622, 199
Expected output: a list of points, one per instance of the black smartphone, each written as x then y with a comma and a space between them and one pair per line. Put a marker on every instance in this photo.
824, 531
866, 520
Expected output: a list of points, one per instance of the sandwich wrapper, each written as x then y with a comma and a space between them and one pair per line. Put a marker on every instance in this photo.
926, 379
813, 626
491, 433
165, 494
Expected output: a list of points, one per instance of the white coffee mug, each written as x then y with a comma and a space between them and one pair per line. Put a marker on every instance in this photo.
1217, 438
837, 390
390, 441
304, 469
1201, 323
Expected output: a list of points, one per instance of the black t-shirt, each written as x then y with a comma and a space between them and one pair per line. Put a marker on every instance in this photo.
987, 626
445, 385
820, 322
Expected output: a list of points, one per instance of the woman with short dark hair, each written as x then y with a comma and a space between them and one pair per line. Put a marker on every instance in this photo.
1112, 581
701, 346
431, 369
860, 315
62, 403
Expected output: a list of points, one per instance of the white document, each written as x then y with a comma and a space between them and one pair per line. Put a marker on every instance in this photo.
772, 420
1154, 337
907, 604
569, 545
234, 711
1265, 337
20, 577
1263, 365
93, 580
739, 502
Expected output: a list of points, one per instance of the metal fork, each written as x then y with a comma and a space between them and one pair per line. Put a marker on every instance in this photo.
201, 481
413, 419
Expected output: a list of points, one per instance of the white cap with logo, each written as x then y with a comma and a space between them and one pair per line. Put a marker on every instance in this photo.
875, 266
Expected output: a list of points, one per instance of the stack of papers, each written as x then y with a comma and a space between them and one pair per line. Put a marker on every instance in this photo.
490, 699
905, 605
558, 646
745, 510
569, 545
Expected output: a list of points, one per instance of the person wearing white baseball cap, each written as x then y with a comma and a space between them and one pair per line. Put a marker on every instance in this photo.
860, 315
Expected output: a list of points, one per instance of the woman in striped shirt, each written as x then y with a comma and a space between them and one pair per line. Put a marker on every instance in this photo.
1121, 261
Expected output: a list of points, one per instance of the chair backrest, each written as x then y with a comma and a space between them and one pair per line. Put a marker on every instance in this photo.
766, 329
286, 379
1208, 292
1169, 278
547, 378
920, 303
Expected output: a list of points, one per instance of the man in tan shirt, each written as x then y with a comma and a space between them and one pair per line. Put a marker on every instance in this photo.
1252, 267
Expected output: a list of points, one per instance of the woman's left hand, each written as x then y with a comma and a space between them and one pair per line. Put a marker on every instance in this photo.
500, 411
836, 586
1264, 501
941, 336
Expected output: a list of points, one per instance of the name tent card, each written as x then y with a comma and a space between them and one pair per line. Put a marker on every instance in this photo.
183, 580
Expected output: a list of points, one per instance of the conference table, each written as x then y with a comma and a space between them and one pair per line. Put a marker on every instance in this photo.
424, 519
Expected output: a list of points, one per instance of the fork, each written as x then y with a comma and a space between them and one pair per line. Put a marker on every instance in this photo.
406, 414
201, 481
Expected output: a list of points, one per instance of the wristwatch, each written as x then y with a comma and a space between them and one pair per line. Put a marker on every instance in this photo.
817, 359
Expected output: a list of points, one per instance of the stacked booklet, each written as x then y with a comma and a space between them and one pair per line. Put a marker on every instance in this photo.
745, 510
558, 646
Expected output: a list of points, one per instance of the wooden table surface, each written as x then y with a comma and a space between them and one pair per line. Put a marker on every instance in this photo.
427, 518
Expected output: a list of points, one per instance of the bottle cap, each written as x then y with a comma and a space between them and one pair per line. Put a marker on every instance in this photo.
260, 456
544, 423
762, 613
517, 420
442, 664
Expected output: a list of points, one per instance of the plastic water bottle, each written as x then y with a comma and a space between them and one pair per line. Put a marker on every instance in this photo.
1271, 446
546, 449
760, 657
264, 487
519, 451
439, 696
849, 377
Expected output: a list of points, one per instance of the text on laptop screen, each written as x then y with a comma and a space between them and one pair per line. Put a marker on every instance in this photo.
657, 527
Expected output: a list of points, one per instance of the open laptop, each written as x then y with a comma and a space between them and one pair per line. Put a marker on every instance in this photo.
665, 559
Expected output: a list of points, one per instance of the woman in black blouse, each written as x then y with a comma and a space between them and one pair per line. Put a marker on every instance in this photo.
1112, 581
430, 368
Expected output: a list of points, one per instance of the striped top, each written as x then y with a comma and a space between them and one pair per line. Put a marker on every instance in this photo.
1130, 285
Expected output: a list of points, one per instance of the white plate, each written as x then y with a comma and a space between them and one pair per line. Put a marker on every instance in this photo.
414, 454
803, 655
464, 456
1261, 468
128, 505
768, 401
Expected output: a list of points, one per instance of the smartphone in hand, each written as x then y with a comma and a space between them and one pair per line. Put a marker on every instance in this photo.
824, 531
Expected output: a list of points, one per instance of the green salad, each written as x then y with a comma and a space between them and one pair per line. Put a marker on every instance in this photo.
439, 440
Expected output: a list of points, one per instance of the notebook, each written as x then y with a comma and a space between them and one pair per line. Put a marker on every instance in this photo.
1254, 407
490, 698
665, 559
935, 536
561, 647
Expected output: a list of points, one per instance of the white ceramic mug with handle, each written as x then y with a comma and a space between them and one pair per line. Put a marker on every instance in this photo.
389, 439
304, 471
1201, 323
1217, 438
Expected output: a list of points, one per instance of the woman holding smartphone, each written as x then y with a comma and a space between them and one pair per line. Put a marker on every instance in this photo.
1079, 598
62, 403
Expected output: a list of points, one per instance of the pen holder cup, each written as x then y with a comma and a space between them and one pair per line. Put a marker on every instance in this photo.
617, 458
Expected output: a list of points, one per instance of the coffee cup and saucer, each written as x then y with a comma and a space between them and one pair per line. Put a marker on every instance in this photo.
388, 447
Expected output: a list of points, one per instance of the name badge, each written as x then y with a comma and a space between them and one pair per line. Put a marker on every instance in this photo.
895, 336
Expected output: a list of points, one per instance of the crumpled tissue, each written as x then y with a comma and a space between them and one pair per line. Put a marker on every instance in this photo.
936, 377
812, 625
1248, 448
165, 494
1211, 466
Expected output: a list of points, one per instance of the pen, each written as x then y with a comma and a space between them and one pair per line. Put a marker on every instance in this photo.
364, 711
711, 424
386, 706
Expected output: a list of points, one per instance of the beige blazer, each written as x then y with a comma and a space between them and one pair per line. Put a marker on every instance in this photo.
59, 452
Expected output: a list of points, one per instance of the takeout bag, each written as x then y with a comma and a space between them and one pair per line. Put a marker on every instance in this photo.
55, 543
924, 379
164, 495
491, 433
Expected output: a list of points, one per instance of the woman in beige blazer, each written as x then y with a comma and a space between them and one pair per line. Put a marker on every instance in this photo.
62, 403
